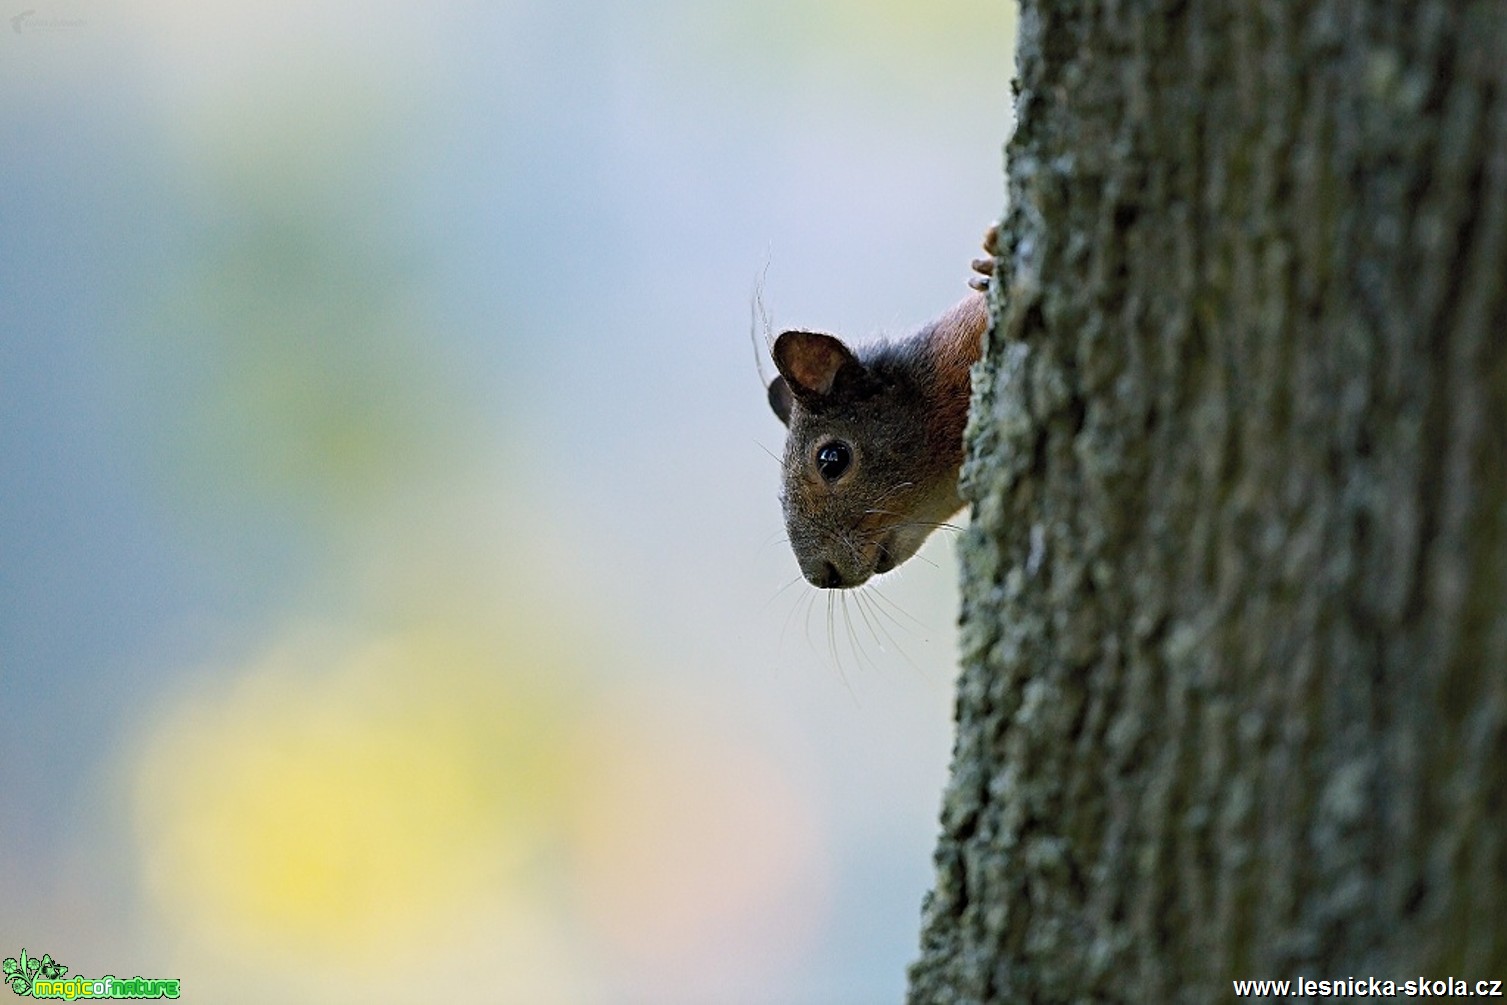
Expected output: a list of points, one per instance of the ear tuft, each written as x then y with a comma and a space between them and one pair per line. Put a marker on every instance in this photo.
780, 399
811, 361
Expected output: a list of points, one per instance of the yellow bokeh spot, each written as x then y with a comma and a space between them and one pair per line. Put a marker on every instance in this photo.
341, 799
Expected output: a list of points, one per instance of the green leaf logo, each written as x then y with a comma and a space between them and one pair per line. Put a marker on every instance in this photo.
18, 973
22, 972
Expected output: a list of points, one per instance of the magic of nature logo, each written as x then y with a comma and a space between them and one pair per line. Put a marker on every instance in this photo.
45, 978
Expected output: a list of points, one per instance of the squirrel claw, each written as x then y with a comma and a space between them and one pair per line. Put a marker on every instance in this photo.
985, 266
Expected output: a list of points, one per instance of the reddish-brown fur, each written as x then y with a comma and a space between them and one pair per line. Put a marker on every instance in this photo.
954, 341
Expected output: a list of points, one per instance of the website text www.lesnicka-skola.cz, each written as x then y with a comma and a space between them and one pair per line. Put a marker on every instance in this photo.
1369, 987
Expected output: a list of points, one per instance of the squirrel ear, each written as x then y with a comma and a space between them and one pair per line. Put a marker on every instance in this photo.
780, 399
811, 361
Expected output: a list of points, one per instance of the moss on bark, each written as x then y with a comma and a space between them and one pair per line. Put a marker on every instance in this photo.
1234, 694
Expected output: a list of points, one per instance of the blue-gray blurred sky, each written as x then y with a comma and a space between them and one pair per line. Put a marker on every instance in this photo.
392, 584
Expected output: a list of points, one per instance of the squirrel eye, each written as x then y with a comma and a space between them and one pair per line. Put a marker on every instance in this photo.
833, 459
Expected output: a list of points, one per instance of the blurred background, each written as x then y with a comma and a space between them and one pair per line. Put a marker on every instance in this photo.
394, 602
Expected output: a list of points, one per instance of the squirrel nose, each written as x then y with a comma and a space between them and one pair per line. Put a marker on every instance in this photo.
831, 579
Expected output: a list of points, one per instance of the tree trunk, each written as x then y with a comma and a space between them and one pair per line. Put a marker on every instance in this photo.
1234, 628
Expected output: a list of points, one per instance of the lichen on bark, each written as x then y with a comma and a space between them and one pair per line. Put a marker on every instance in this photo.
1234, 628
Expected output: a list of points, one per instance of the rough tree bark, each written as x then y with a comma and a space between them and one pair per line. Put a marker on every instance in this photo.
1234, 696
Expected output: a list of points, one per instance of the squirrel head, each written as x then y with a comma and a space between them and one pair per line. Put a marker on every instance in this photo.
871, 455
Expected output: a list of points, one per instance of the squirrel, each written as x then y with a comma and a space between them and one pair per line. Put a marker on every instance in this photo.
875, 437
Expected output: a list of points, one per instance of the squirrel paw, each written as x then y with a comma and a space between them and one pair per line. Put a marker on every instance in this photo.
985, 266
